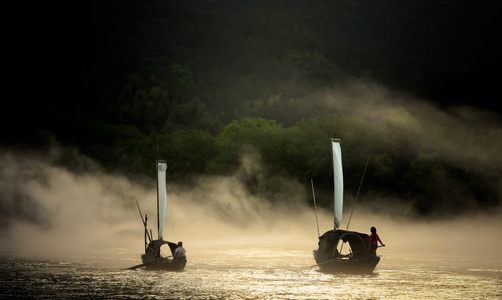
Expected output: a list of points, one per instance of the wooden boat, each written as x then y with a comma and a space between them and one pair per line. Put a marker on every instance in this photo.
341, 250
357, 259
153, 258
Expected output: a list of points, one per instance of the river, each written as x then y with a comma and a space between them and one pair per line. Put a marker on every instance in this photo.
250, 273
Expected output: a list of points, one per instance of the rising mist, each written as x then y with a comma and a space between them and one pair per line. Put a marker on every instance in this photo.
58, 201
48, 209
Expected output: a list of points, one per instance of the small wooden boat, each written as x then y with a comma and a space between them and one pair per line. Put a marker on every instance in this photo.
153, 258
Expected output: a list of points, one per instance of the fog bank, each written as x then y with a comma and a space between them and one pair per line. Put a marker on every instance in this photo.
48, 209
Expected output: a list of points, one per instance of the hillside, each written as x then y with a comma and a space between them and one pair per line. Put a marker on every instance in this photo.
405, 82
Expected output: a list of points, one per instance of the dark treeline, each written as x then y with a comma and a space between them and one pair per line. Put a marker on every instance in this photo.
212, 81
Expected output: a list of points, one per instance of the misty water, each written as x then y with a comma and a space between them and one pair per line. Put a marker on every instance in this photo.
251, 272
69, 235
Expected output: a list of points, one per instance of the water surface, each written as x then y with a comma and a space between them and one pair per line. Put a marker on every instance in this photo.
251, 273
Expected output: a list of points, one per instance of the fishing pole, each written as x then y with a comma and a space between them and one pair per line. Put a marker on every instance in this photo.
144, 223
315, 207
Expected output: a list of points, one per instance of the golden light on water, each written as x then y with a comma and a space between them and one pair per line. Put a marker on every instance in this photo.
278, 273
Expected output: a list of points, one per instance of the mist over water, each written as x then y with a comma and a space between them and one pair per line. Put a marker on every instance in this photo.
69, 234
449, 129
49, 209
84, 207
59, 210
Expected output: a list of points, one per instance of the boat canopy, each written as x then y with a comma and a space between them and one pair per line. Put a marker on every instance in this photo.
156, 244
328, 242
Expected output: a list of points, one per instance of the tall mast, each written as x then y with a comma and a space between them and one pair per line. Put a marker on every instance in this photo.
157, 175
158, 217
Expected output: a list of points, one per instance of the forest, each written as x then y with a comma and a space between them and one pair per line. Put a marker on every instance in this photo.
210, 85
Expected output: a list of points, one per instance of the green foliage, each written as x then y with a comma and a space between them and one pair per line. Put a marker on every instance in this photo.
383, 172
183, 77
187, 152
314, 66
263, 134
144, 101
117, 147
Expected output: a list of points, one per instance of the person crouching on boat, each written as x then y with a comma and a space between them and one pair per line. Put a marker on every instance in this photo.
180, 255
374, 239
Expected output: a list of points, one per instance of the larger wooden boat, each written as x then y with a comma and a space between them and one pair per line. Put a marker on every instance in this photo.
341, 250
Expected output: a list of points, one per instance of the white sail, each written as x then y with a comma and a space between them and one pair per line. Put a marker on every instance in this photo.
338, 181
162, 195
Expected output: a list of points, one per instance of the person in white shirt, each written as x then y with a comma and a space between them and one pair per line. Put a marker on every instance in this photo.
180, 255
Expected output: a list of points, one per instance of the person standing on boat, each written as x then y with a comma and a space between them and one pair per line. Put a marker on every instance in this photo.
374, 239
180, 255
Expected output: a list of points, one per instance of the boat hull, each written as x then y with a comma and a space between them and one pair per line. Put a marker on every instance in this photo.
165, 264
357, 266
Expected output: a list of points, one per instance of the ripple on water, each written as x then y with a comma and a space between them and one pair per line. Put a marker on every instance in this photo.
252, 274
